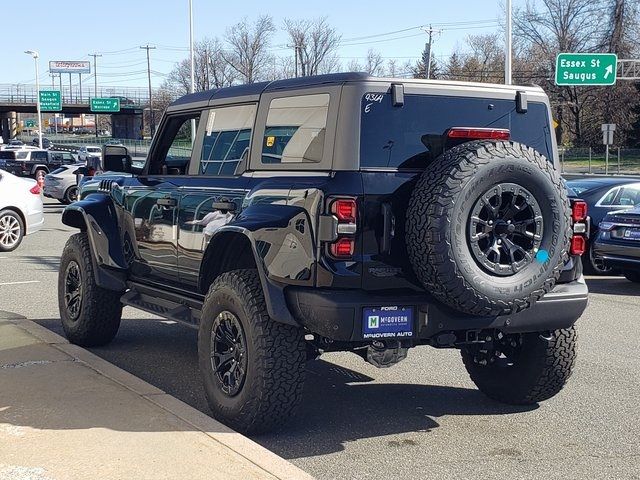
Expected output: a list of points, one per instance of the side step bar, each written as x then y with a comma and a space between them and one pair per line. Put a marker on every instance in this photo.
172, 306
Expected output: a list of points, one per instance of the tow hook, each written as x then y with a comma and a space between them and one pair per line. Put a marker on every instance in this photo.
384, 354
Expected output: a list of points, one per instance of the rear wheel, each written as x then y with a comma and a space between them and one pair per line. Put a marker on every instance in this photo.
90, 314
522, 369
632, 276
71, 195
11, 230
253, 368
593, 265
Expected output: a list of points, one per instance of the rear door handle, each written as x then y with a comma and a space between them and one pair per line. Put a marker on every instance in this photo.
167, 202
224, 205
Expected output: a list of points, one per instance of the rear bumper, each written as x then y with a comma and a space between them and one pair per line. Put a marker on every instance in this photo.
625, 257
338, 314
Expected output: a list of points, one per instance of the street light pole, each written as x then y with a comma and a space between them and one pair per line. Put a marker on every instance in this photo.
193, 70
35, 56
508, 46
95, 87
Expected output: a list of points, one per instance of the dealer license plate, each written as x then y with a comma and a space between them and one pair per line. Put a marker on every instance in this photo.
387, 322
632, 234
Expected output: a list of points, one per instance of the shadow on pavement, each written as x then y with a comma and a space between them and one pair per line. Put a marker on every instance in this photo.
51, 262
613, 286
339, 404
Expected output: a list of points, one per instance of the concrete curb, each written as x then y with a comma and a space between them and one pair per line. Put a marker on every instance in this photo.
239, 444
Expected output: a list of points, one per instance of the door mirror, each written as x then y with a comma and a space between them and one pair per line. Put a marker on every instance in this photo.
116, 158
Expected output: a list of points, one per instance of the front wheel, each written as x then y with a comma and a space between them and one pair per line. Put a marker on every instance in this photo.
90, 314
522, 369
11, 230
253, 368
71, 195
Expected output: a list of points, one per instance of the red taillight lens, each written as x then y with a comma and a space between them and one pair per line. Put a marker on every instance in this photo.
579, 211
345, 209
578, 245
35, 189
342, 248
479, 133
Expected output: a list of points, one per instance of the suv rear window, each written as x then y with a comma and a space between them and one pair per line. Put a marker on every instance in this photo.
412, 135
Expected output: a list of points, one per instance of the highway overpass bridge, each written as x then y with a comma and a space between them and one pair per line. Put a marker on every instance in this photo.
20, 98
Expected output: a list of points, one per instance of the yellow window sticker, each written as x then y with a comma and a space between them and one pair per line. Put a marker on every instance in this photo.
271, 140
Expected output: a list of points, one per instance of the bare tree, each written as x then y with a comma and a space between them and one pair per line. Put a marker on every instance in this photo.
248, 52
373, 64
315, 43
211, 70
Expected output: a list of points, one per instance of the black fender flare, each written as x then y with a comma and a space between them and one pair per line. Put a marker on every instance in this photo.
260, 225
96, 215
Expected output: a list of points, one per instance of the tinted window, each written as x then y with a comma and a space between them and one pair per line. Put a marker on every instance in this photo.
580, 186
412, 135
295, 129
226, 139
609, 197
629, 196
58, 170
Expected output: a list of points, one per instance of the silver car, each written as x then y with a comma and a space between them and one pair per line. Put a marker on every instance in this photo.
61, 184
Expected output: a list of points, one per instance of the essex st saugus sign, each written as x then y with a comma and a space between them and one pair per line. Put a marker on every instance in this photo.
586, 68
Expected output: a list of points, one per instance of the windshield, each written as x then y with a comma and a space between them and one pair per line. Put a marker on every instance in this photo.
412, 135
94, 150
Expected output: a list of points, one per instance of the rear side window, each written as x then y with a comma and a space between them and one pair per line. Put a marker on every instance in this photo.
295, 129
226, 139
414, 134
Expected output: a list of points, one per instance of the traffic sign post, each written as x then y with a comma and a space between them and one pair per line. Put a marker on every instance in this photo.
607, 139
102, 105
586, 68
50, 100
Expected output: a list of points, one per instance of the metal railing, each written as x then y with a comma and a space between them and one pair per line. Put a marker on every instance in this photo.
23, 93
622, 160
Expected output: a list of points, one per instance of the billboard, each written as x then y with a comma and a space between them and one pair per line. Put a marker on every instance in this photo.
62, 66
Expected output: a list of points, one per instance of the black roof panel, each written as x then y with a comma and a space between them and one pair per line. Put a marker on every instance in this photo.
259, 88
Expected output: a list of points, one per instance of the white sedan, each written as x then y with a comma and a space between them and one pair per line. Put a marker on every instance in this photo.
61, 184
21, 211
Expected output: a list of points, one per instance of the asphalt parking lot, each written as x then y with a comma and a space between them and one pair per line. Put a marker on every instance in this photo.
421, 419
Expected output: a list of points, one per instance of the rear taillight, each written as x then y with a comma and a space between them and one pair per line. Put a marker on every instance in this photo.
345, 211
35, 189
579, 212
578, 245
479, 133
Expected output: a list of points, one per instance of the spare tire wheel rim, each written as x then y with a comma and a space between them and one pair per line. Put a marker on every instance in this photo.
505, 229
228, 353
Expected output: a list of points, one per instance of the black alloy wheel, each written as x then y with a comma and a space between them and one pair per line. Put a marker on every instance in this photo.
73, 290
505, 229
228, 353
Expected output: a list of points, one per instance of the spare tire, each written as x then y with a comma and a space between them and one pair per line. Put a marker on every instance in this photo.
488, 227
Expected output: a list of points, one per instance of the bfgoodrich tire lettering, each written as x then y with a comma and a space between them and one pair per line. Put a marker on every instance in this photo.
274, 357
438, 220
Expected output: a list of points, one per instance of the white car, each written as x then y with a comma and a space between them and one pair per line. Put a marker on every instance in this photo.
21, 211
61, 184
89, 151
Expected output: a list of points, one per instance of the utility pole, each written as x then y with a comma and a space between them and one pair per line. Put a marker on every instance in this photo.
508, 46
295, 52
430, 32
95, 86
153, 121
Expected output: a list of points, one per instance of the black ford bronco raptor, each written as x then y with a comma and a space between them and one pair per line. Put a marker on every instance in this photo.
338, 213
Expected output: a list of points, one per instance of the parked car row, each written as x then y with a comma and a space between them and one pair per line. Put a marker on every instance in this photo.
614, 209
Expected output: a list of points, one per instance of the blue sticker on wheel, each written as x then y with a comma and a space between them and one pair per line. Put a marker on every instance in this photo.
387, 322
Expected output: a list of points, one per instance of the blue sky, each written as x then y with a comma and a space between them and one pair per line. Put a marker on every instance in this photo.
117, 28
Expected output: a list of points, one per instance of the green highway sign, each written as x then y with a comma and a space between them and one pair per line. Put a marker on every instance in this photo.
29, 123
105, 105
50, 100
586, 68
